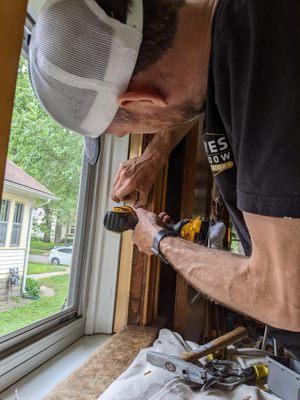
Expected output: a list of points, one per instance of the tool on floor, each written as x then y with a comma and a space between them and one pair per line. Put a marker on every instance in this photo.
216, 344
223, 373
124, 218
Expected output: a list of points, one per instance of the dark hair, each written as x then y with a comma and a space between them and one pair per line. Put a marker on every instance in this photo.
160, 23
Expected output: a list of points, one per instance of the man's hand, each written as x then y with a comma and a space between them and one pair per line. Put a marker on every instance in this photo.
135, 179
149, 224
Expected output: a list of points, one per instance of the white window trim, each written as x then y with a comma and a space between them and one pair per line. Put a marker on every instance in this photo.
106, 245
20, 224
12, 339
19, 364
18, 351
98, 255
2, 245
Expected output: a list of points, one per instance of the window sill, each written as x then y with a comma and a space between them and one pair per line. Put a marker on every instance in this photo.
23, 361
45, 378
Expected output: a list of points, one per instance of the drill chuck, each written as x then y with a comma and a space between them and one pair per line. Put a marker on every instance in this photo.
120, 219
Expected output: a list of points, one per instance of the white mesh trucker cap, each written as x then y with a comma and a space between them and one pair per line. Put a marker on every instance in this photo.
81, 60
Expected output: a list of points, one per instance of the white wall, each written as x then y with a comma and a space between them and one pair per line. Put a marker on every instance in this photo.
14, 257
10, 258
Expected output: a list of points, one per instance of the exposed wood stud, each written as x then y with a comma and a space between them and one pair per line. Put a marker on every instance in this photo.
12, 20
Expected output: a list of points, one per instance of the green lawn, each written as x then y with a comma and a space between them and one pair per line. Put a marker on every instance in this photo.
21, 316
36, 268
38, 251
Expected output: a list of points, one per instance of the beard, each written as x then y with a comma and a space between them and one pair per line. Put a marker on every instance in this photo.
168, 118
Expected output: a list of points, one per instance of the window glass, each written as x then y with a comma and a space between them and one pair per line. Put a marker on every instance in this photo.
67, 251
17, 225
4, 215
42, 181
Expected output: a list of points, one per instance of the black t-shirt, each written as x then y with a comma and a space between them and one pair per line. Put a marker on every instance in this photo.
252, 126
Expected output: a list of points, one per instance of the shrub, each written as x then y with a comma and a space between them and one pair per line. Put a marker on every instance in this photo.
32, 287
38, 244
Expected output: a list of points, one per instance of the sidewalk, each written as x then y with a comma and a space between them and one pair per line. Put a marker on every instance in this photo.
42, 259
49, 274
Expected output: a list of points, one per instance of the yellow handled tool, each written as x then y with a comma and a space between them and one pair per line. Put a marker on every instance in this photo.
124, 218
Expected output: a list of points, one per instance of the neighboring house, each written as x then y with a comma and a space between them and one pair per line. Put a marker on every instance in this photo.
68, 231
59, 233
20, 190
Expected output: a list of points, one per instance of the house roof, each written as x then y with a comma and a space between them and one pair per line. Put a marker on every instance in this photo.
17, 176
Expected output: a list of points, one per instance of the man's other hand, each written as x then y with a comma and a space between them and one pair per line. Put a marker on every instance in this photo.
149, 224
135, 179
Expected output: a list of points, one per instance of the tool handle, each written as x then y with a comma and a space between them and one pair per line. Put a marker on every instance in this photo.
176, 227
217, 344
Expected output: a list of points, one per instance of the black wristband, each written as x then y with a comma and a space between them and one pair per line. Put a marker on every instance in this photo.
156, 241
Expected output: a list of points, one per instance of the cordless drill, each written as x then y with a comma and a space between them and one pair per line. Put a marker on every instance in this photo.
124, 218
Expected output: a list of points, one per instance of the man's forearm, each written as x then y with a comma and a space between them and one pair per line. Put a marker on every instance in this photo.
165, 141
229, 279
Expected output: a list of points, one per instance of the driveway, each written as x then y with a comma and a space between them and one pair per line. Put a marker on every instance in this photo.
39, 259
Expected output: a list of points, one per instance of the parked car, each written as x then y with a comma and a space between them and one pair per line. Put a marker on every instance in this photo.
65, 245
61, 255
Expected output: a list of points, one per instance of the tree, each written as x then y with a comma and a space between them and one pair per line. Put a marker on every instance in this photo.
45, 150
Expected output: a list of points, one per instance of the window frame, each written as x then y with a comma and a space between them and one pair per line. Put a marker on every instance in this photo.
5, 223
31, 344
6, 341
94, 272
19, 206
72, 313
92, 283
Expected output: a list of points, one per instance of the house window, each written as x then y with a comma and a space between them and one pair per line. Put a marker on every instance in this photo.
46, 310
44, 169
17, 225
4, 215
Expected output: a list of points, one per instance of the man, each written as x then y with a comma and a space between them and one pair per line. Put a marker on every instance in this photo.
114, 67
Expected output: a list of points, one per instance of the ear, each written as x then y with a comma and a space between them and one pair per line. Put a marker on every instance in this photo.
142, 96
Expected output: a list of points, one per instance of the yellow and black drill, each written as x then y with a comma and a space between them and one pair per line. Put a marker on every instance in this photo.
124, 218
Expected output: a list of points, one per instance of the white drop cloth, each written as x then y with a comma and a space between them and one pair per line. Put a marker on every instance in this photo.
142, 381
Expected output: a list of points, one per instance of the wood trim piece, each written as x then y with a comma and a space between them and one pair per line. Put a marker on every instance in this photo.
182, 308
126, 254
189, 176
154, 265
12, 20
145, 269
184, 314
124, 279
